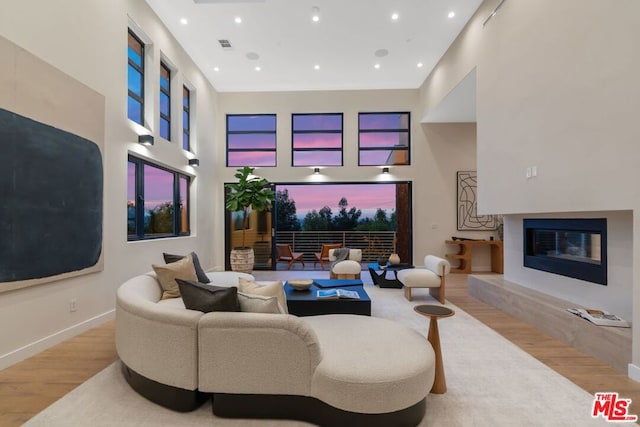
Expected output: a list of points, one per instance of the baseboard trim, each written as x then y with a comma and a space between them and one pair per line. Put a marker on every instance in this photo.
36, 347
634, 372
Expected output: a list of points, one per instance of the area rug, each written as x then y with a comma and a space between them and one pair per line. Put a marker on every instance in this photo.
490, 381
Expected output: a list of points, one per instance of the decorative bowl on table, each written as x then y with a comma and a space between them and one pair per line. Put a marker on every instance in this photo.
300, 284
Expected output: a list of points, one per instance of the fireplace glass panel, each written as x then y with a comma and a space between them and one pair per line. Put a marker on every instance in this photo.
583, 246
573, 247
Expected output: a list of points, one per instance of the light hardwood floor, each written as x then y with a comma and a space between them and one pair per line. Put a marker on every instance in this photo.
30, 386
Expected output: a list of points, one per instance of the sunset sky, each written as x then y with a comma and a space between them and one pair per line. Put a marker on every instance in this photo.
367, 197
158, 186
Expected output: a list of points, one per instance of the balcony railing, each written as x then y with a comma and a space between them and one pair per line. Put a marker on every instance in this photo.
374, 244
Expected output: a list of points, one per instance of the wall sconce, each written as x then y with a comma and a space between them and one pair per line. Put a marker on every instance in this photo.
315, 14
385, 170
145, 139
316, 171
194, 162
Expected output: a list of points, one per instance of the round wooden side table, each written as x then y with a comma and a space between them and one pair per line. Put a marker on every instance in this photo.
433, 312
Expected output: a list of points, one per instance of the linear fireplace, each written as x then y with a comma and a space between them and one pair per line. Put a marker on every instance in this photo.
572, 247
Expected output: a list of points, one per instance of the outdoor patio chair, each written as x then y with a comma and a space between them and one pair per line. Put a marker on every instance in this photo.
285, 254
322, 257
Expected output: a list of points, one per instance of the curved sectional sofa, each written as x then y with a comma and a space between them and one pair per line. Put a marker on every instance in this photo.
328, 370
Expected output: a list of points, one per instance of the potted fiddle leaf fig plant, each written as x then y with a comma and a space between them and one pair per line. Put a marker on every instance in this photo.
250, 193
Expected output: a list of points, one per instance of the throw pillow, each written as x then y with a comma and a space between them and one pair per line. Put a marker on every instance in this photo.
273, 289
202, 276
168, 273
208, 298
259, 304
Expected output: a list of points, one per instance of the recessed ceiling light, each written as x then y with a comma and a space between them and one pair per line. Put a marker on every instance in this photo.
315, 14
451, 14
258, 68
316, 67
381, 53
184, 21
216, 69
253, 56
395, 16
420, 64
376, 66
238, 20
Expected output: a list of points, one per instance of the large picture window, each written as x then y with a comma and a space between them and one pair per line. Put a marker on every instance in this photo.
251, 140
157, 201
135, 83
165, 102
317, 139
383, 139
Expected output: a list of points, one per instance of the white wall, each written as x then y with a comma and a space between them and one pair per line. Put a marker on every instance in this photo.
559, 93
548, 81
88, 41
437, 152
557, 88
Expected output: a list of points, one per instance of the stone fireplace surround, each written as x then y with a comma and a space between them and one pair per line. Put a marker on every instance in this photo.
616, 297
523, 291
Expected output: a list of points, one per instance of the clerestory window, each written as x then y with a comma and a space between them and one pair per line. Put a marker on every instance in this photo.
383, 139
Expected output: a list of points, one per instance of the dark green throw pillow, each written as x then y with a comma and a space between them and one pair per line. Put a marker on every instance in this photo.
208, 298
202, 276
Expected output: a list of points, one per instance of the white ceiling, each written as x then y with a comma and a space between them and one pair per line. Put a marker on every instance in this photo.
343, 43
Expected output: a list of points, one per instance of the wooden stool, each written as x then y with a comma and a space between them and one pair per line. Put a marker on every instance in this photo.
433, 312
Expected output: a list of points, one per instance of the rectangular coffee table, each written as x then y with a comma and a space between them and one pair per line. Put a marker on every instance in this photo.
305, 303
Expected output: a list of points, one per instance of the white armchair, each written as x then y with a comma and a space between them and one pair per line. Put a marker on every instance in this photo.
347, 269
432, 276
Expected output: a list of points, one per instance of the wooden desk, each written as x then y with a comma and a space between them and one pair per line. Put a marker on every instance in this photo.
466, 250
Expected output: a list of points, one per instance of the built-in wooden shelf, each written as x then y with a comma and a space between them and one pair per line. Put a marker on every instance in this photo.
464, 255
549, 314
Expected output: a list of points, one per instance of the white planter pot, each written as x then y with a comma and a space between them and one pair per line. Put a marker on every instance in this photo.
242, 260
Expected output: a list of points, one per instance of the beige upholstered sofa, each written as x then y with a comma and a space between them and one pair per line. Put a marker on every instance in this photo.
328, 370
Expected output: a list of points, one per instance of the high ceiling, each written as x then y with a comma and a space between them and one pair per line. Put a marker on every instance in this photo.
346, 43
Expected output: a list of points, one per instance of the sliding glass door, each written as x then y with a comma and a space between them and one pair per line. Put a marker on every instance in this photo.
373, 217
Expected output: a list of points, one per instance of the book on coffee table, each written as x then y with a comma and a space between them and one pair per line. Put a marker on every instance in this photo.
337, 293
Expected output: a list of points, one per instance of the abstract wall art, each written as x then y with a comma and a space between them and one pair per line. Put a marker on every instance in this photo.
51, 173
468, 218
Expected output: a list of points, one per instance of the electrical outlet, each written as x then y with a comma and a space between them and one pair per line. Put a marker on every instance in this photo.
73, 305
